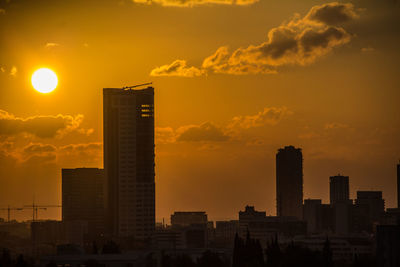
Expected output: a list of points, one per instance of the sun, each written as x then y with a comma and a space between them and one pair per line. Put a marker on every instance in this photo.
44, 80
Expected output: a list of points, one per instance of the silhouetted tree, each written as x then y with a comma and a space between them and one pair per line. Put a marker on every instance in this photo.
150, 261
111, 248
95, 250
183, 260
166, 260
211, 259
93, 263
237, 259
21, 261
327, 254
6, 260
273, 253
51, 264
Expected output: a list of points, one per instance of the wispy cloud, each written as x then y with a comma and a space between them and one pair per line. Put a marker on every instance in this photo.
301, 41
51, 45
177, 68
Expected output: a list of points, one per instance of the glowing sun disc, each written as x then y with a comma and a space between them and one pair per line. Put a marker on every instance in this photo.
44, 80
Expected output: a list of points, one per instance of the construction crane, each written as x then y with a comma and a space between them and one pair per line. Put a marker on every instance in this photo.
9, 209
134, 86
35, 209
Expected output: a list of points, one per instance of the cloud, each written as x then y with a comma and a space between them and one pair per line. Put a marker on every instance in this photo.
209, 132
192, 3
39, 148
332, 13
301, 41
368, 49
51, 45
43, 126
204, 132
269, 116
335, 125
13, 71
176, 68
73, 148
165, 135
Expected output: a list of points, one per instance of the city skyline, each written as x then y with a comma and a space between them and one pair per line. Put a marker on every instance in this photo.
228, 96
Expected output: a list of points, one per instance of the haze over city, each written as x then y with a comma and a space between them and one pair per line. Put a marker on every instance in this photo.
234, 82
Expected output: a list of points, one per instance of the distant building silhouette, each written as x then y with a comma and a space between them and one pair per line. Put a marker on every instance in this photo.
338, 188
187, 218
129, 162
82, 198
289, 182
373, 203
312, 214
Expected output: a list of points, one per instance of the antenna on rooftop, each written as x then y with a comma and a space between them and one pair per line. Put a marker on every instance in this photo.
134, 86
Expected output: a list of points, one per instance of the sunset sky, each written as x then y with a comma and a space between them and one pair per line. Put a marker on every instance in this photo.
234, 81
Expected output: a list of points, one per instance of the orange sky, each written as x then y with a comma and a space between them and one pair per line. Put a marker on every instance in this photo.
234, 81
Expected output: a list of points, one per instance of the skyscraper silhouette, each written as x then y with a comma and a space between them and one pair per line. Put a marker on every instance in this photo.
129, 162
338, 188
289, 182
82, 198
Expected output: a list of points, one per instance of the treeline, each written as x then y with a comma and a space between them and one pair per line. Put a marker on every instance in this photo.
7, 260
249, 253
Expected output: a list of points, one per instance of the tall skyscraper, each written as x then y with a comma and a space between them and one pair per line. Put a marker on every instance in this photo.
82, 198
338, 188
129, 162
289, 182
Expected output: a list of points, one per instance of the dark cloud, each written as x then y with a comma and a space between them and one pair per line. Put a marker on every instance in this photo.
301, 41
40, 126
204, 132
332, 13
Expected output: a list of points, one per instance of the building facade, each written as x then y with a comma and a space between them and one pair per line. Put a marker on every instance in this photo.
129, 162
289, 182
82, 198
338, 188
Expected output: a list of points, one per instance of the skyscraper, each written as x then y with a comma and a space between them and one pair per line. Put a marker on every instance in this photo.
289, 182
338, 188
373, 201
82, 198
129, 162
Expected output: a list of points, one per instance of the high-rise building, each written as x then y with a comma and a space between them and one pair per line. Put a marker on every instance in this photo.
339, 188
312, 214
373, 202
82, 198
289, 182
129, 162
